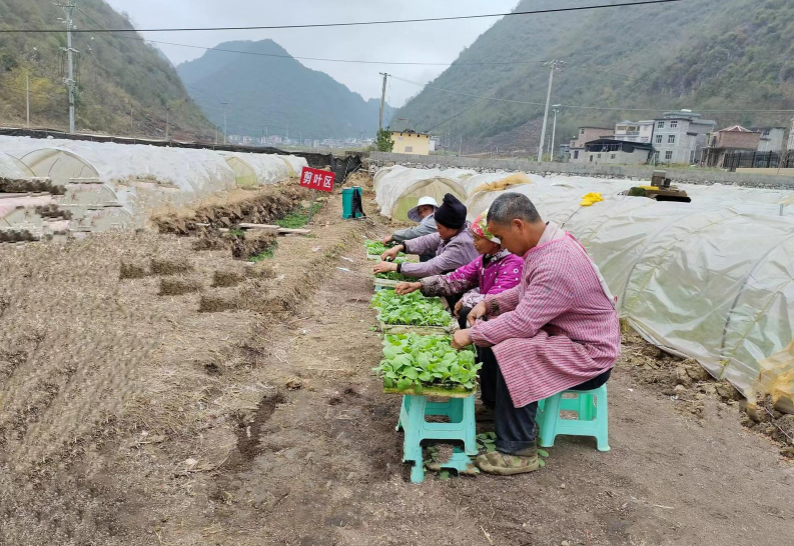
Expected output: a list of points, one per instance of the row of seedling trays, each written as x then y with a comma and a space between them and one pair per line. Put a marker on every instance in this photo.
418, 358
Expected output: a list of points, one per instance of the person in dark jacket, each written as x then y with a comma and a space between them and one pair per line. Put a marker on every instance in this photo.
452, 245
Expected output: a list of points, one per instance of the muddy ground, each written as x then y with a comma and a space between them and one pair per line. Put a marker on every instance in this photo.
136, 411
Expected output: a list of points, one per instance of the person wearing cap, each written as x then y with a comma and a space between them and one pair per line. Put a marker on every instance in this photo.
423, 214
452, 245
492, 272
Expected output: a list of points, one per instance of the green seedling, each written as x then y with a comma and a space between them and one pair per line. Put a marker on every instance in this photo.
376, 248
413, 309
412, 361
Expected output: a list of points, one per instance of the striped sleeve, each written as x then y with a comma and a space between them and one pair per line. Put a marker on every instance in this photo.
549, 294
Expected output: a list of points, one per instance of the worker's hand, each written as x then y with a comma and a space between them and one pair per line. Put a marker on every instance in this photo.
386, 240
384, 267
390, 254
461, 339
458, 307
407, 287
480, 310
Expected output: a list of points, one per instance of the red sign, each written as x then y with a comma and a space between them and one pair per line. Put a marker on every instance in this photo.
315, 179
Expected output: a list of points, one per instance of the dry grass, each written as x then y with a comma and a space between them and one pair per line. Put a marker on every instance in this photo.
165, 266
222, 279
132, 271
179, 286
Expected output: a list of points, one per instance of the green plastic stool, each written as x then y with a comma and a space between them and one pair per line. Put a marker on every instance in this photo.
461, 427
591, 408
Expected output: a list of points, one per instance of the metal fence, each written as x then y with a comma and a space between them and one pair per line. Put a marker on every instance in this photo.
758, 160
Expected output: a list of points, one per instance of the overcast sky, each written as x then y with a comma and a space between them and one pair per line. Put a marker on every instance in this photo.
418, 42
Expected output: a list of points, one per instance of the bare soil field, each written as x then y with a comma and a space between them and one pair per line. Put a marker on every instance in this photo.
156, 389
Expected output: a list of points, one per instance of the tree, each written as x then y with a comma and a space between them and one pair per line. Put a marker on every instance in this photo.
384, 142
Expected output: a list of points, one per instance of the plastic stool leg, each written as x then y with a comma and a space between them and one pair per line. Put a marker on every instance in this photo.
418, 472
586, 408
456, 410
412, 448
470, 432
548, 427
602, 420
404, 408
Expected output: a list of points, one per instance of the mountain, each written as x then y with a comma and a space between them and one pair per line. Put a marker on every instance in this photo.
268, 90
697, 54
114, 73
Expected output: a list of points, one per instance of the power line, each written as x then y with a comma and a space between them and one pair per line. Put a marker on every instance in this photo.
324, 59
782, 111
363, 23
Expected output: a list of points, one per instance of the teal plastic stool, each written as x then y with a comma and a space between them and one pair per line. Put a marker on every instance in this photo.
591, 408
413, 421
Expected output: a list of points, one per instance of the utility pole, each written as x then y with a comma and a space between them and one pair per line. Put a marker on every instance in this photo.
68, 8
27, 96
552, 66
131, 128
556, 110
225, 104
167, 120
383, 99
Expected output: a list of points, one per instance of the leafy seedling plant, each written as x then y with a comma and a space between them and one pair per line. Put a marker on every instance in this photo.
393, 275
412, 310
411, 361
376, 248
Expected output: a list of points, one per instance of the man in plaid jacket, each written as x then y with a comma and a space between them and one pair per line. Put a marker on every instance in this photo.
557, 330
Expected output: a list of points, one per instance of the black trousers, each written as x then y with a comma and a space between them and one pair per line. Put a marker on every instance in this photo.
515, 427
426, 257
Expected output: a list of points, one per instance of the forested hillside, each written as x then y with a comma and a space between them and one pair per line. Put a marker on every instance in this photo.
699, 54
114, 73
276, 95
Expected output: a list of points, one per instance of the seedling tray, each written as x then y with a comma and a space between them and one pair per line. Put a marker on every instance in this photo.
410, 329
433, 391
385, 283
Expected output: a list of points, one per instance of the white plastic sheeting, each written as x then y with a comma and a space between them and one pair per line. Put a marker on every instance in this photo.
294, 163
13, 168
712, 280
262, 169
398, 189
19, 211
143, 177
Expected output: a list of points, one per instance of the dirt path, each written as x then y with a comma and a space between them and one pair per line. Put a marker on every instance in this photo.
327, 467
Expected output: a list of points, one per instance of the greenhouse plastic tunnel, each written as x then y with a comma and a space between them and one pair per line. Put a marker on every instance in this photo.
398, 189
710, 280
262, 169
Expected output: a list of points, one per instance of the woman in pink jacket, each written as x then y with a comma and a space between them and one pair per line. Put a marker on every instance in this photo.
494, 271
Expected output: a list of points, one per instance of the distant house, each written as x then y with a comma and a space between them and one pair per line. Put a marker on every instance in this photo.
772, 138
679, 137
609, 151
725, 141
410, 142
635, 131
587, 134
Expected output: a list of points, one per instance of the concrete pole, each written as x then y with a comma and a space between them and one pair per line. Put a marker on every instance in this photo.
552, 65
27, 96
167, 121
556, 111
225, 127
382, 100
69, 54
